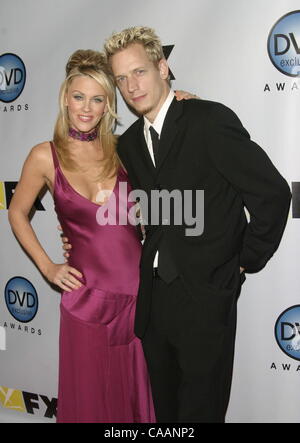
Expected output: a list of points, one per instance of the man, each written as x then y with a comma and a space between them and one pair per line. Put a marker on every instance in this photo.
186, 309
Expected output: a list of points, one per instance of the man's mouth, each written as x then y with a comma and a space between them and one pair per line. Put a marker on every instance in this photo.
139, 98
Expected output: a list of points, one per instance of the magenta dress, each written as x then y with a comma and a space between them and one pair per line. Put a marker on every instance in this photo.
102, 371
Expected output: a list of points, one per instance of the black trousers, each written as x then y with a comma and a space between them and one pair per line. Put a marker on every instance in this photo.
189, 359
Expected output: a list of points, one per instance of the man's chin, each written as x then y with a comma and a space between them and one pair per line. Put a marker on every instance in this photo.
142, 110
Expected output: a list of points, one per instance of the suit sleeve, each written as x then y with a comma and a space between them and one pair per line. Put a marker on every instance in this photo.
264, 192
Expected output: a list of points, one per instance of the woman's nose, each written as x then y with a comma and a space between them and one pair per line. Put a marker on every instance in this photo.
86, 105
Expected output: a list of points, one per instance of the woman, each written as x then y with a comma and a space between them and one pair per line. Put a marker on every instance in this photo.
102, 372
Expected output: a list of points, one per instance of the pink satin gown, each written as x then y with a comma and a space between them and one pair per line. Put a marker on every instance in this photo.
102, 371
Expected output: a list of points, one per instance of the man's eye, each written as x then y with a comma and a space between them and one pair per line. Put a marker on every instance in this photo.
120, 79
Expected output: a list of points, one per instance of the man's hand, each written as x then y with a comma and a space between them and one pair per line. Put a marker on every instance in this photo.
183, 95
66, 245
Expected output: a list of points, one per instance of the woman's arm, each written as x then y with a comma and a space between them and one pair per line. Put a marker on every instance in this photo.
33, 179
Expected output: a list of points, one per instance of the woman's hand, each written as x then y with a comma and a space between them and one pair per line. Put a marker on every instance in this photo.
183, 95
63, 276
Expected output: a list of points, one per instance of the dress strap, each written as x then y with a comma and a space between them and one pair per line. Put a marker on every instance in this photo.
54, 155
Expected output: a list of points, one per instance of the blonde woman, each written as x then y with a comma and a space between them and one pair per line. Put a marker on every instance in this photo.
102, 372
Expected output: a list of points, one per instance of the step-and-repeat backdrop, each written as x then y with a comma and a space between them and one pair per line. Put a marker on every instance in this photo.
245, 54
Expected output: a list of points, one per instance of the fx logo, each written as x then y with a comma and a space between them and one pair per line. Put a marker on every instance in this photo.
22, 401
167, 51
7, 190
296, 199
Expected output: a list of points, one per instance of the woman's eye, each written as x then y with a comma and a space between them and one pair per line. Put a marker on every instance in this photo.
98, 100
77, 97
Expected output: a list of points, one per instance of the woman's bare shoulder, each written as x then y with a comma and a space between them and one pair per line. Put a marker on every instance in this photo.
41, 150
41, 156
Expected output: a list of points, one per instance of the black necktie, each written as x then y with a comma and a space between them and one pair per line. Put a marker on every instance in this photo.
155, 143
166, 267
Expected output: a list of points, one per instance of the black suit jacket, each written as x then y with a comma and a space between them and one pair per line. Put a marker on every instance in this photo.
203, 146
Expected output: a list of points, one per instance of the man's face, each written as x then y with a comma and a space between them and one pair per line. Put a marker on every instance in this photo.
142, 84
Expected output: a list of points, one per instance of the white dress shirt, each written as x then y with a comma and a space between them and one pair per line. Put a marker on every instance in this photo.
157, 125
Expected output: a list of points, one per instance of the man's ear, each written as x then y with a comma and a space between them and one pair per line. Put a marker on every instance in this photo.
163, 69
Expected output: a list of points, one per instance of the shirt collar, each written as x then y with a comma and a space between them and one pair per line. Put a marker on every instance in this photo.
160, 118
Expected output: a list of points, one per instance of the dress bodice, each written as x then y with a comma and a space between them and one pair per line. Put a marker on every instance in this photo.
99, 251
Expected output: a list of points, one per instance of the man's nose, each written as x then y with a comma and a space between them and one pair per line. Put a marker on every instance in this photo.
132, 84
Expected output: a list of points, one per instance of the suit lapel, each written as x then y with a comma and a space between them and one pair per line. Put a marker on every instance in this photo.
169, 131
167, 137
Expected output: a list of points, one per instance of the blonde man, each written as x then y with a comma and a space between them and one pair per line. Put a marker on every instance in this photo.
186, 310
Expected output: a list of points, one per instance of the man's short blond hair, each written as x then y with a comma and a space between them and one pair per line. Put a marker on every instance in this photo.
138, 34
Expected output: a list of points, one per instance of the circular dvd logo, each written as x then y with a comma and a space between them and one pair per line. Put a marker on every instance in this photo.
12, 77
21, 299
284, 44
287, 332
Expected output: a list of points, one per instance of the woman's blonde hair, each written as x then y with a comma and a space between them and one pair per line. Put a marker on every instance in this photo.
138, 34
92, 64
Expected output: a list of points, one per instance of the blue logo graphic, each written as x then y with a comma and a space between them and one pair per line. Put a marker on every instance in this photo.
287, 332
284, 44
21, 299
12, 77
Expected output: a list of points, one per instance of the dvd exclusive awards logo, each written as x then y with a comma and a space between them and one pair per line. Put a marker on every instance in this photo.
284, 44
287, 332
21, 299
12, 77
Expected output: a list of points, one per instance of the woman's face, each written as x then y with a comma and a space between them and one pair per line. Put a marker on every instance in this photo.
86, 101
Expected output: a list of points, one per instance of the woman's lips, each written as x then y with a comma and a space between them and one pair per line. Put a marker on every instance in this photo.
85, 118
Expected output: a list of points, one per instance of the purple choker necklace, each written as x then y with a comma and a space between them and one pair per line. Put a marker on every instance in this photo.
83, 136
